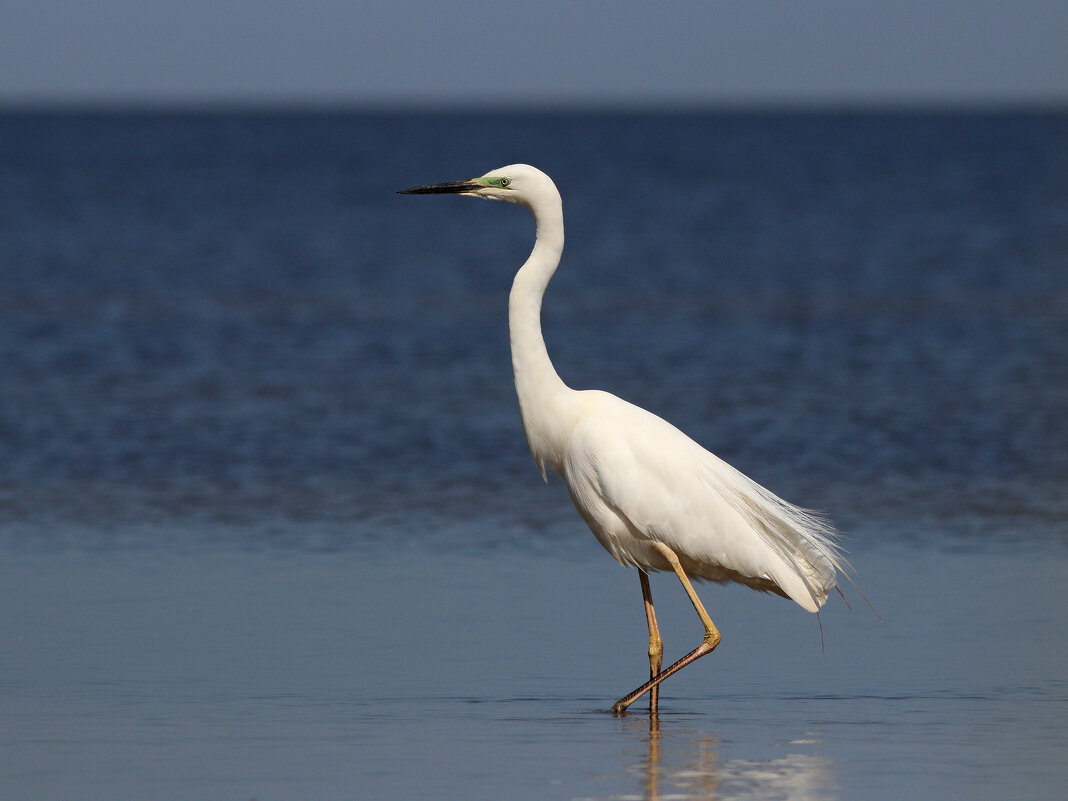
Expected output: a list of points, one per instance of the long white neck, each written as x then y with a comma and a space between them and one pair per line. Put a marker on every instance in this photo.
543, 397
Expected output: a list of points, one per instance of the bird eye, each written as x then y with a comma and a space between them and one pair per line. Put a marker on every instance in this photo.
505, 182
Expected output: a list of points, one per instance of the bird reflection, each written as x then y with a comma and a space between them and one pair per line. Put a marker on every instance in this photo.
686, 765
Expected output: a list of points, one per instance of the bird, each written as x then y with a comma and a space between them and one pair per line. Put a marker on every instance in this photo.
652, 496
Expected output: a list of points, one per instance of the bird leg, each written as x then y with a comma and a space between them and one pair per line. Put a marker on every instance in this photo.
656, 645
710, 641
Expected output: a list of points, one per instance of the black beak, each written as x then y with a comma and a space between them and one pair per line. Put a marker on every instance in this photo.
453, 188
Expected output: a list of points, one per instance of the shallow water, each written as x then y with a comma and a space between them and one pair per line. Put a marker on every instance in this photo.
411, 674
269, 529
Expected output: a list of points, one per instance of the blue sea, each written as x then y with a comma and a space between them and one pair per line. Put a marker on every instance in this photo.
268, 524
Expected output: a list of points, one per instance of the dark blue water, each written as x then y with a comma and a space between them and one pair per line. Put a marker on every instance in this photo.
225, 334
233, 318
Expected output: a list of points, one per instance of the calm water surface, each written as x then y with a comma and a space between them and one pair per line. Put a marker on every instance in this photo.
269, 529
407, 674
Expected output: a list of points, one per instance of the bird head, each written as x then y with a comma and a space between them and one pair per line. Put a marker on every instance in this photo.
516, 183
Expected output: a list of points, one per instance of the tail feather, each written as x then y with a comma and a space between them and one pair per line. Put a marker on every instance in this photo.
806, 541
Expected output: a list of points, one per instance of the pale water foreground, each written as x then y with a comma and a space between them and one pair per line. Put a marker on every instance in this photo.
223, 674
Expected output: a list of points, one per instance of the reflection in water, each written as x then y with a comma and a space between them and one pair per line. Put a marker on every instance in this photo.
686, 765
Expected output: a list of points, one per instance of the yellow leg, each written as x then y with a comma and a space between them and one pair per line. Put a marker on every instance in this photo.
710, 641
656, 645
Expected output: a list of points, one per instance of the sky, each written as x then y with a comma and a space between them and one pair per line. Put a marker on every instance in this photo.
534, 53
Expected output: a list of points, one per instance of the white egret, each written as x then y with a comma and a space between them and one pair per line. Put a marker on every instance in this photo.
653, 497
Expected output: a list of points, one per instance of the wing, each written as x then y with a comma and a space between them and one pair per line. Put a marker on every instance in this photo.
635, 478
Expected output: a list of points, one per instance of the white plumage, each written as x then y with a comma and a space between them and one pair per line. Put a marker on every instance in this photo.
636, 478
653, 497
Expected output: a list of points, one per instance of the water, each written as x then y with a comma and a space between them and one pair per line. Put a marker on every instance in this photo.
268, 524
267, 675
